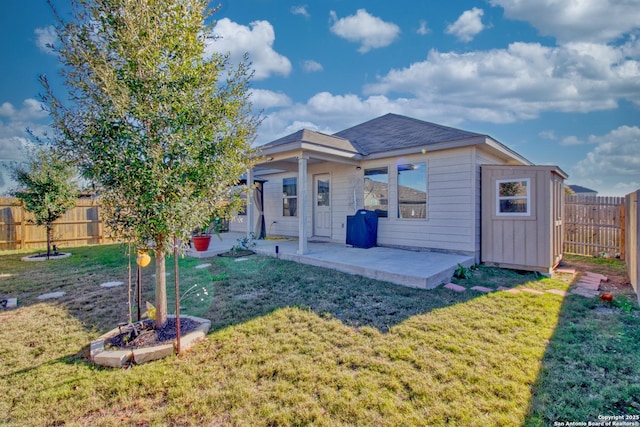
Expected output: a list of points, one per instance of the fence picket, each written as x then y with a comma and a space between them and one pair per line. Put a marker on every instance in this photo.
593, 225
81, 225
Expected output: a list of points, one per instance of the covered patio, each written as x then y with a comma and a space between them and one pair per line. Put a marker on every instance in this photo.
416, 269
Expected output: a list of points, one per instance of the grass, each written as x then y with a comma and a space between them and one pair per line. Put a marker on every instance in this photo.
299, 345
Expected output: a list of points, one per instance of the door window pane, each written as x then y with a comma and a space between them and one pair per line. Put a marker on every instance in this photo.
322, 193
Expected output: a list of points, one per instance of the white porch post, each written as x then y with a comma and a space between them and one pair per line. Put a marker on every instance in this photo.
302, 205
251, 220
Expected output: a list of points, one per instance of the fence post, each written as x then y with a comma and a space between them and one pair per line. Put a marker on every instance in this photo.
623, 231
23, 228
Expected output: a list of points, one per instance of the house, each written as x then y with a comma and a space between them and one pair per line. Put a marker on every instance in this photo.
422, 179
582, 191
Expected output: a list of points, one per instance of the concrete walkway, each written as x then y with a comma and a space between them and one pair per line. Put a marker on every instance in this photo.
416, 269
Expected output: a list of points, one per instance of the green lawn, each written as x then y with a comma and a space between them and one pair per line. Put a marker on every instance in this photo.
298, 345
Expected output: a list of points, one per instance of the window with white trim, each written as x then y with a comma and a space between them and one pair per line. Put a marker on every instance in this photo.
290, 197
412, 190
376, 191
513, 197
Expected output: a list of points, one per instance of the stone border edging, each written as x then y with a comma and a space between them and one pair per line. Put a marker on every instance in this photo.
36, 257
119, 358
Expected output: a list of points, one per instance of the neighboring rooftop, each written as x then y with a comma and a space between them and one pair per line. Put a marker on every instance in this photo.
582, 190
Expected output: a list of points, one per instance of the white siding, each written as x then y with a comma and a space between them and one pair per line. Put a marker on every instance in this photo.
449, 225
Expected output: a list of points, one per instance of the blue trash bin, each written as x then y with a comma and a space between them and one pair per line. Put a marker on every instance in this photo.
362, 229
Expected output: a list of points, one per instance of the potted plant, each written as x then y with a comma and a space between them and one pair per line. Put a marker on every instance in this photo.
200, 240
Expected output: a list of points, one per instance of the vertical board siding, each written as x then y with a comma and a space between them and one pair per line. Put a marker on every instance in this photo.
593, 225
527, 242
80, 225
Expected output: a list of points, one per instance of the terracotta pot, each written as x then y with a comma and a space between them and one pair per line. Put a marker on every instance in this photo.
201, 243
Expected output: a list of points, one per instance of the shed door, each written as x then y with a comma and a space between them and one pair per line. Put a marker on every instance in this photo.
322, 205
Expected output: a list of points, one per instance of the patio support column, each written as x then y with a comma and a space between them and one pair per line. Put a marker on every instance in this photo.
302, 205
251, 220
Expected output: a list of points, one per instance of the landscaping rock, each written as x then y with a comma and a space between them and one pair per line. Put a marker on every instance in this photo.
584, 292
454, 287
557, 292
199, 266
482, 289
596, 276
51, 295
111, 284
532, 291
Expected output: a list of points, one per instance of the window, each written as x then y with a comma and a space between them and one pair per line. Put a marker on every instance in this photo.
376, 191
412, 190
290, 197
514, 197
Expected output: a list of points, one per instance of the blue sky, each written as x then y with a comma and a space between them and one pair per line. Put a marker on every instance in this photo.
556, 80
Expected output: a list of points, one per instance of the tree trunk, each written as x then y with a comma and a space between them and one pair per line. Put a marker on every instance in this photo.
161, 289
49, 227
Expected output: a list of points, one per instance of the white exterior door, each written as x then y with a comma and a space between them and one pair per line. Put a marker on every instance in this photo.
322, 205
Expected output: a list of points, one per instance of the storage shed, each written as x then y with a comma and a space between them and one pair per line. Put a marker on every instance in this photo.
522, 216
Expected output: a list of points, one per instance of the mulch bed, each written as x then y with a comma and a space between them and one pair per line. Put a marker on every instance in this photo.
148, 336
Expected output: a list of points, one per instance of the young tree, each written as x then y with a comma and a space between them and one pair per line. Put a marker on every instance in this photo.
47, 188
163, 128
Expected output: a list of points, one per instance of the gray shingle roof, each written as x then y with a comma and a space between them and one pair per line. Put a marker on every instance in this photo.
580, 189
392, 131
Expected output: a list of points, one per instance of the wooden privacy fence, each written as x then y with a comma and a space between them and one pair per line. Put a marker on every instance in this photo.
80, 225
594, 225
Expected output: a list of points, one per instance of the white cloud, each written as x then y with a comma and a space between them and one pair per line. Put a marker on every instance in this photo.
468, 25
46, 37
571, 140
423, 29
576, 20
520, 82
613, 164
337, 112
300, 10
311, 66
368, 30
256, 40
262, 99
548, 134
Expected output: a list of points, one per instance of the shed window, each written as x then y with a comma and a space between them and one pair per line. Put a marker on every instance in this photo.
513, 197
290, 197
376, 191
412, 190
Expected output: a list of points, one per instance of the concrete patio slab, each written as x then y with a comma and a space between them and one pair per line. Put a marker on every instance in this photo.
416, 269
